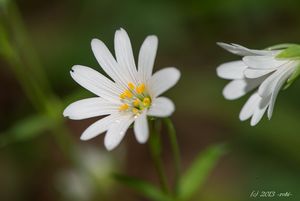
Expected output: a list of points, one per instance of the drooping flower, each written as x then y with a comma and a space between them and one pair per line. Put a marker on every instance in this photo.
129, 96
259, 70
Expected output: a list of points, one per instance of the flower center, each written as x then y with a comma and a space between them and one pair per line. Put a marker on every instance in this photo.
135, 99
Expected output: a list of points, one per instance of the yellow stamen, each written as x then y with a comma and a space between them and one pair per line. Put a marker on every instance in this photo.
146, 102
135, 111
124, 107
140, 89
122, 96
136, 102
131, 85
128, 94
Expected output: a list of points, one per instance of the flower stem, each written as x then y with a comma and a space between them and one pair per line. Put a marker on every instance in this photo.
155, 150
175, 151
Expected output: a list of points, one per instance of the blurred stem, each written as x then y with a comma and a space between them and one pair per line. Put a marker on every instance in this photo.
175, 151
155, 150
20, 55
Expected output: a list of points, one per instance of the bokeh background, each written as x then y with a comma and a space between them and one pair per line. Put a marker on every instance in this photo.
41, 40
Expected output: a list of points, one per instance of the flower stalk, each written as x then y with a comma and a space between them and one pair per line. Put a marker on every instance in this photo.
155, 146
175, 151
155, 151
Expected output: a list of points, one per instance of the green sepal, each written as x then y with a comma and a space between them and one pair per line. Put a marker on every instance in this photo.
144, 188
292, 78
292, 52
280, 46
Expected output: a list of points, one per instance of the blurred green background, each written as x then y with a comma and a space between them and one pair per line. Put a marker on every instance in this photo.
40, 150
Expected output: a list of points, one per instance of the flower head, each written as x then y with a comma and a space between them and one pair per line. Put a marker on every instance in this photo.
129, 96
260, 70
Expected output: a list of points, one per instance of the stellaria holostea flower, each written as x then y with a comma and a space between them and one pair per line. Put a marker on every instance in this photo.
261, 70
131, 95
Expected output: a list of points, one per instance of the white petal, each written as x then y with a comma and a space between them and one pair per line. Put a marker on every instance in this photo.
237, 88
124, 55
259, 110
161, 107
242, 51
116, 132
277, 87
99, 126
141, 129
267, 87
257, 115
108, 62
263, 62
95, 82
255, 73
231, 70
147, 57
90, 107
163, 80
249, 107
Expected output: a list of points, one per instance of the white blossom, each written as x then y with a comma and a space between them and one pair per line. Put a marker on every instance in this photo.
259, 71
129, 96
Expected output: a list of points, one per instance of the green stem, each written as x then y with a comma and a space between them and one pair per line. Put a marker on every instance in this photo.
25, 64
155, 150
175, 152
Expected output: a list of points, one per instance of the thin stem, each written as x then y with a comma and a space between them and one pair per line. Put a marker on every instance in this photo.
24, 62
155, 150
175, 151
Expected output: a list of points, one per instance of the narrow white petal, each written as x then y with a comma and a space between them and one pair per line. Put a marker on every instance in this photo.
90, 107
238, 88
147, 57
263, 62
267, 87
116, 132
242, 51
260, 109
281, 80
141, 129
99, 126
257, 115
249, 107
95, 82
161, 107
107, 62
255, 73
163, 80
124, 55
231, 70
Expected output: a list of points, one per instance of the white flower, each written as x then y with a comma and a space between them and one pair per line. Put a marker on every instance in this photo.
131, 95
259, 70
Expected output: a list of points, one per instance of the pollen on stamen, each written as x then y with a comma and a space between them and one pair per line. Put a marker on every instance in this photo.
131, 86
146, 102
124, 107
136, 102
122, 96
128, 94
140, 88
135, 111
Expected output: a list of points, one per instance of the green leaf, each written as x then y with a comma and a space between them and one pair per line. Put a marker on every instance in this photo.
143, 187
292, 78
280, 46
26, 129
292, 52
198, 172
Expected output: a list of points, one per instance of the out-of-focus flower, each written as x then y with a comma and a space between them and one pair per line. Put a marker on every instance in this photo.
92, 178
131, 95
266, 71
